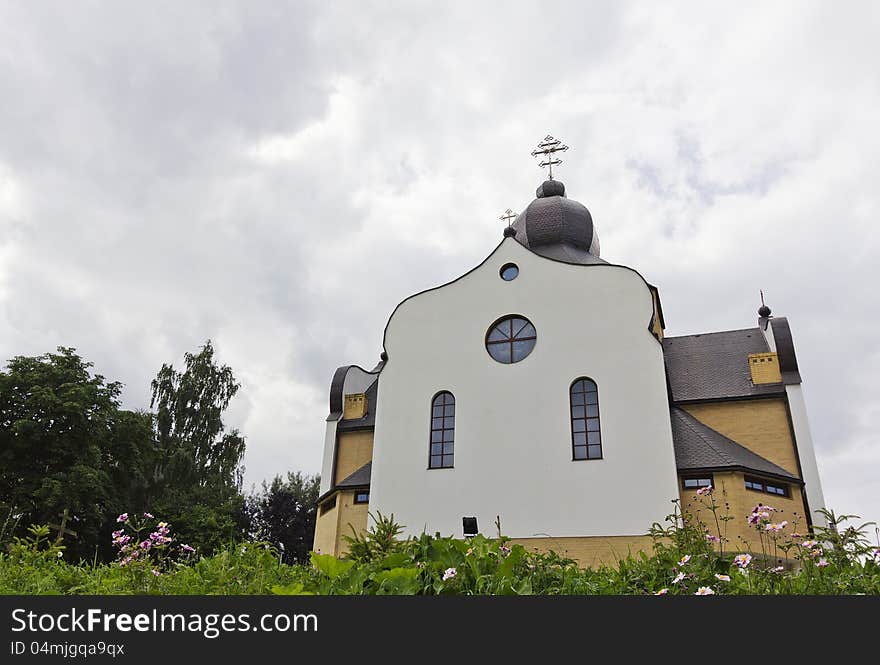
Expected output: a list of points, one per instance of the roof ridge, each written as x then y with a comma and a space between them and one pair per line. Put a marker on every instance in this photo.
714, 332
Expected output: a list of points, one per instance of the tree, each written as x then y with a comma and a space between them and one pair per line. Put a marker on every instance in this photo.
65, 445
283, 513
198, 468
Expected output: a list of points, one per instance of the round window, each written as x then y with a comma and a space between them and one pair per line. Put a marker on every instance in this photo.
509, 271
511, 339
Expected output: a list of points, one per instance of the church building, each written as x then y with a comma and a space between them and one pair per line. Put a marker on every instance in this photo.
538, 392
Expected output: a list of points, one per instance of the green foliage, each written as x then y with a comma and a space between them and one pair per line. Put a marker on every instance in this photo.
284, 513
842, 562
66, 445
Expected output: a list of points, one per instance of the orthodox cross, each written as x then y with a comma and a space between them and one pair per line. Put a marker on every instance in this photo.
508, 215
546, 153
62, 528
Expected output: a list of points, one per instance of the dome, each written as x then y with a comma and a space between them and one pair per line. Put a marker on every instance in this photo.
557, 227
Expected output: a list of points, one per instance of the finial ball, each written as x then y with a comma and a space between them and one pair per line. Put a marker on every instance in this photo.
509, 231
763, 311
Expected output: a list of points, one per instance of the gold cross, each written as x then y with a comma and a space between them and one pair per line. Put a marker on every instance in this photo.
547, 150
508, 215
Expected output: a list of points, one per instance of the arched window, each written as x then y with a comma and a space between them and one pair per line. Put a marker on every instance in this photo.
586, 439
442, 430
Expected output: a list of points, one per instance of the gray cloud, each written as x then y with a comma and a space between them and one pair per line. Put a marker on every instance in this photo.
278, 177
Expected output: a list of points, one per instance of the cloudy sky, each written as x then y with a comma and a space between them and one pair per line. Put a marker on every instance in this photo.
276, 177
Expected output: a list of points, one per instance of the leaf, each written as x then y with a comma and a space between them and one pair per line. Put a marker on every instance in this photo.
330, 565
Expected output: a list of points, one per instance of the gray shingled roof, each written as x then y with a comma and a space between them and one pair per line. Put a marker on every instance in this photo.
715, 365
698, 446
369, 420
360, 478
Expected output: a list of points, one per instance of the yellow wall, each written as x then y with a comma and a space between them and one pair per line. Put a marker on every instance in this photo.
761, 425
590, 551
337, 522
730, 490
354, 450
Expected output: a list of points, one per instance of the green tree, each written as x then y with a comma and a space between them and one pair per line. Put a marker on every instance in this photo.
198, 470
66, 445
283, 513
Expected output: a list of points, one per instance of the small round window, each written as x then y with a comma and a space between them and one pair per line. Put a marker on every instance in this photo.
509, 271
511, 339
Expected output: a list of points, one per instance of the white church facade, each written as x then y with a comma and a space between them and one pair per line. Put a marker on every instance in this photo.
539, 389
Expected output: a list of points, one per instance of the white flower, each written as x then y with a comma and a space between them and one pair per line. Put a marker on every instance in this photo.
723, 578
704, 591
449, 574
684, 559
678, 578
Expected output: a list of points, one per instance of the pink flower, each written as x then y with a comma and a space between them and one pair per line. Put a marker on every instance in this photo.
149, 515
704, 591
809, 543
778, 569
678, 578
684, 559
449, 574
662, 592
712, 539
742, 561
146, 545
722, 578
122, 517
155, 572
504, 550
116, 534
704, 490
821, 563
187, 548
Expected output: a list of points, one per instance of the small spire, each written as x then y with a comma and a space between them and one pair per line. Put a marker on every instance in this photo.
546, 153
763, 310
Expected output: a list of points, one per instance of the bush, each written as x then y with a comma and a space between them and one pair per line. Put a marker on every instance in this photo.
838, 559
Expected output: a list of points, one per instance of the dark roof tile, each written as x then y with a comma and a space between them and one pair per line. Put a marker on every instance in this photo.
715, 365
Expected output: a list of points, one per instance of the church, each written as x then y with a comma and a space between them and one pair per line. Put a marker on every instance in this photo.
538, 396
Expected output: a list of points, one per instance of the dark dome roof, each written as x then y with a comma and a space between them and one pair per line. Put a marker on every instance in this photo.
557, 227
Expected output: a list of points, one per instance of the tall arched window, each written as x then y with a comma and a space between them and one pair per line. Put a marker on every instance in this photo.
442, 430
586, 439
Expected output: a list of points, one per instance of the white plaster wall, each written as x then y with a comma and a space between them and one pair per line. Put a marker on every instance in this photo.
807, 455
513, 440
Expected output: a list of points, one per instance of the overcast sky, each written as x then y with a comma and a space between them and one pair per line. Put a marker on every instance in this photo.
277, 177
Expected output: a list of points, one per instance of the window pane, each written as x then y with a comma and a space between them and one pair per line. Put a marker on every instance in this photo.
447, 448
436, 461
578, 425
577, 412
690, 482
436, 448
592, 411
589, 386
448, 435
593, 437
528, 331
577, 398
449, 410
580, 452
578, 386
595, 452
437, 423
517, 326
500, 352
593, 425
522, 349
580, 439
436, 435
448, 423
438, 411
496, 335
592, 398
